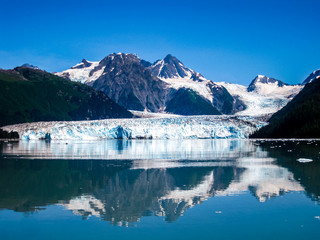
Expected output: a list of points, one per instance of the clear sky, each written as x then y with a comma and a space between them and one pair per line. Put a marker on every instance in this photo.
225, 40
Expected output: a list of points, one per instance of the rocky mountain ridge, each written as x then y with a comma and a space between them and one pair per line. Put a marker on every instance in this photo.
167, 85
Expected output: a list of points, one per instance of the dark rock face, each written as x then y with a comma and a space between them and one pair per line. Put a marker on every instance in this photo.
224, 101
311, 77
129, 83
145, 63
197, 77
188, 102
265, 80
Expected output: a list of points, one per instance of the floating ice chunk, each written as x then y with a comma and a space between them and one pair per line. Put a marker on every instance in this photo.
304, 160
317, 217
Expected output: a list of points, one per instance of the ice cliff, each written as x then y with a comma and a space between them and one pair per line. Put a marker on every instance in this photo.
215, 127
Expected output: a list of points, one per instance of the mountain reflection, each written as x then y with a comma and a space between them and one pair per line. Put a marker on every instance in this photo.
138, 178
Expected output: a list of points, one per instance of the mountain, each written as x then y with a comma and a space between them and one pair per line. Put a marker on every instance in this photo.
199, 95
29, 95
130, 84
311, 77
27, 65
264, 85
124, 79
300, 118
163, 86
264, 95
170, 67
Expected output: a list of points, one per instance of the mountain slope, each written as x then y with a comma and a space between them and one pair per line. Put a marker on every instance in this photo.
177, 76
130, 84
264, 85
28, 95
187, 101
139, 85
311, 77
124, 78
300, 118
264, 95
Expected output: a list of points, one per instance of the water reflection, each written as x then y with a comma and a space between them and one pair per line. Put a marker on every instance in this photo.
196, 149
143, 178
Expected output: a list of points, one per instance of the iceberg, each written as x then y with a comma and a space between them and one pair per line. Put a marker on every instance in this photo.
304, 160
190, 127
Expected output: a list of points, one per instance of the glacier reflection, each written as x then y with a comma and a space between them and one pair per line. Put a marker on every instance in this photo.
137, 178
193, 149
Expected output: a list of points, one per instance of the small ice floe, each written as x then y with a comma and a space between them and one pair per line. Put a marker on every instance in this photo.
304, 160
317, 217
218, 212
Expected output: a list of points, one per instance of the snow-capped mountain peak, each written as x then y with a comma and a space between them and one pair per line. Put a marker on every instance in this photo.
84, 64
262, 80
169, 86
267, 86
264, 95
170, 67
81, 72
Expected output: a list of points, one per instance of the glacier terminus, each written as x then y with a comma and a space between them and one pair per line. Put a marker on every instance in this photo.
182, 127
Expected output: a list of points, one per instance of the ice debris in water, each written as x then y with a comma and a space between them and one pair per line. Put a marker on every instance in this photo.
304, 160
142, 128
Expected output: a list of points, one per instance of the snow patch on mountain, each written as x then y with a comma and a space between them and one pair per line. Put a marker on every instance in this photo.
202, 88
82, 73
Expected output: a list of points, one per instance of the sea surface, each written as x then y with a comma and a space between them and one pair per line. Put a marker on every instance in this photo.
160, 189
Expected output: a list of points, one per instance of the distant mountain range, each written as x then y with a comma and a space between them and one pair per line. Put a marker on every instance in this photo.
168, 86
122, 82
164, 86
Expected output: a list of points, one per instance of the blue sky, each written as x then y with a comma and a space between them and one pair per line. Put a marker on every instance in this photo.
230, 41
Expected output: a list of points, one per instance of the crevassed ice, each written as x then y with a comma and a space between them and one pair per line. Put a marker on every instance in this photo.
215, 127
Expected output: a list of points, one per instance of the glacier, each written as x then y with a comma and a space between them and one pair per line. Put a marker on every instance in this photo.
189, 127
265, 99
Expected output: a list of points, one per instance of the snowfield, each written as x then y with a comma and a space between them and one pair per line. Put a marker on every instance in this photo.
82, 74
215, 127
266, 99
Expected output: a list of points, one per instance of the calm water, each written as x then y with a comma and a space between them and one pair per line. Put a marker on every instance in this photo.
148, 189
